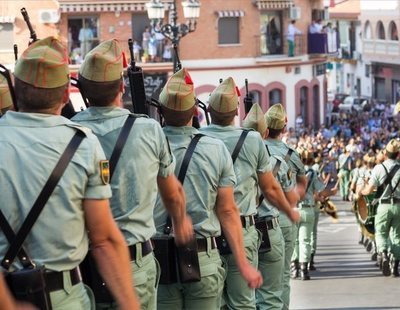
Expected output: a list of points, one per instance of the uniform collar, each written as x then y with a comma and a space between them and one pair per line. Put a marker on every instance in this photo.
24, 119
98, 113
223, 128
184, 130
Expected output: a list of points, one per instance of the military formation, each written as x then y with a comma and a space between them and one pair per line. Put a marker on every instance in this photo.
111, 210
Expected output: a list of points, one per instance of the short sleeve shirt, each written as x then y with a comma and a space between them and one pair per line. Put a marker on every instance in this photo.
145, 156
315, 185
379, 175
210, 168
31, 145
251, 160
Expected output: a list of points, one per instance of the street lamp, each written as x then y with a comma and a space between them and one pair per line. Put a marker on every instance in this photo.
172, 30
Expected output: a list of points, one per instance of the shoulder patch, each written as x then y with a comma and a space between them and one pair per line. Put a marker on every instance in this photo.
105, 171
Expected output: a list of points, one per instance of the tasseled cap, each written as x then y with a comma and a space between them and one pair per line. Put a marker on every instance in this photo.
225, 97
276, 117
255, 119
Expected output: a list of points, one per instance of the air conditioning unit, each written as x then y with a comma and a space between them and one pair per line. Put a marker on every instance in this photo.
49, 16
294, 12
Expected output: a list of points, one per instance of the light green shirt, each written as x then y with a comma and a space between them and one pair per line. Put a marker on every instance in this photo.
378, 177
210, 168
252, 159
144, 157
31, 145
344, 161
315, 185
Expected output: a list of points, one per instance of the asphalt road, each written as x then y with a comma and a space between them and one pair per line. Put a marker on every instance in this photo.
346, 277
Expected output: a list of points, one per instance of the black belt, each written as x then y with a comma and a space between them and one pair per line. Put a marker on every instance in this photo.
306, 206
389, 200
247, 220
147, 248
55, 280
202, 244
272, 223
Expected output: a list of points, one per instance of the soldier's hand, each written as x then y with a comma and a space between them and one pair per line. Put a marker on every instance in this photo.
251, 275
183, 231
294, 215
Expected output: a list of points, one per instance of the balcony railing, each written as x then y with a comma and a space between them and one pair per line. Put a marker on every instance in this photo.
267, 47
381, 47
323, 43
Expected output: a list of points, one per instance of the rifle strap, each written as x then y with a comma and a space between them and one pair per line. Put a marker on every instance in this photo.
396, 167
274, 173
309, 179
119, 145
269, 153
239, 145
42, 199
288, 155
387, 182
182, 172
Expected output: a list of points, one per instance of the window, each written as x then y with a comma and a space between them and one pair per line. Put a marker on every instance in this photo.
275, 96
83, 35
256, 96
367, 30
395, 91
6, 36
271, 33
380, 88
393, 31
380, 31
228, 30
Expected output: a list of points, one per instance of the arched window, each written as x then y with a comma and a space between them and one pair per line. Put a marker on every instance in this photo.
256, 95
393, 31
275, 96
380, 31
367, 30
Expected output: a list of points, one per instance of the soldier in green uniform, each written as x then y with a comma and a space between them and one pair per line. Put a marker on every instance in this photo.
388, 213
344, 167
315, 187
252, 169
144, 165
276, 120
32, 142
209, 186
271, 264
5, 97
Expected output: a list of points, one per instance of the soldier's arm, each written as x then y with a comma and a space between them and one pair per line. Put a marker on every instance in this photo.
110, 252
173, 197
301, 187
228, 215
272, 190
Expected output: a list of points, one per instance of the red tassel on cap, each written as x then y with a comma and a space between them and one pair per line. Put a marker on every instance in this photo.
124, 62
188, 79
237, 91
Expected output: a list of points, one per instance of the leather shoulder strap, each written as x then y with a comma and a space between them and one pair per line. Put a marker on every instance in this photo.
239, 145
288, 155
42, 199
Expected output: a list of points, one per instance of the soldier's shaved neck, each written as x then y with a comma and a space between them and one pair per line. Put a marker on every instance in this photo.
177, 118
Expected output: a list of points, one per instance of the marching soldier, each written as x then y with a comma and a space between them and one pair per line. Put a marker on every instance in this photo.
387, 177
32, 142
344, 167
209, 185
252, 168
276, 120
271, 263
5, 97
145, 163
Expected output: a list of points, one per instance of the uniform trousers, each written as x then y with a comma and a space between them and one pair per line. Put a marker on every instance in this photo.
302, 250
315, 230
271, 266
206, 294
344, 183
289, 235
388, 217
146, 274
237, 294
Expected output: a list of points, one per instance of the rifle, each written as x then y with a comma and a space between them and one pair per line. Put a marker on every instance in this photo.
136, 84
248, 99
203, 106
32, 32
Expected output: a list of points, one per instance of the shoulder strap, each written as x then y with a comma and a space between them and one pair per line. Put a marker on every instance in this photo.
389, 176
119, 145
269, 153
239, 145
395, 169
288, 155
182, 173
42, 199
310, 179
274, 173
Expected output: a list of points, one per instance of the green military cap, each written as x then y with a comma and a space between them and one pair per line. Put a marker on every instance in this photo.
178, 92
225, 97
276, 117
104, 63
255, 119
393, 146
5, 96
44, 64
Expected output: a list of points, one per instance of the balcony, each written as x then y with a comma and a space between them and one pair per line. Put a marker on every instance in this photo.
323, 43
265, 47
382, 51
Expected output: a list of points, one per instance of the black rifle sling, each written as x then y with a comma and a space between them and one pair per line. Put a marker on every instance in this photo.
389, 176
274, 173
310, 179
42, 199
239, 145
288, 155
182, 173
269, 154
395, 168
119, 145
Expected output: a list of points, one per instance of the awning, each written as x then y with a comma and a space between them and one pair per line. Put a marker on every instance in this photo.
7, 19
102, 7
231, 13
273, 4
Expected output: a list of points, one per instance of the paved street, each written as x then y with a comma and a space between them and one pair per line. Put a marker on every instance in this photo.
346, 278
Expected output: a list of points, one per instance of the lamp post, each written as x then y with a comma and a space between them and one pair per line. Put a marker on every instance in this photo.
172, 30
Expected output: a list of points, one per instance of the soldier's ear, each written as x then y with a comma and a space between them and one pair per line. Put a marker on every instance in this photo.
266, 134
121, 86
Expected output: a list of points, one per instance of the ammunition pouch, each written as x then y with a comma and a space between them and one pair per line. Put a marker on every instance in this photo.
262, 226
223, 245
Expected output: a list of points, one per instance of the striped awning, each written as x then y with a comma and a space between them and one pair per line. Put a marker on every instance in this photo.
102, 7
7, 19
230, 13
273, 4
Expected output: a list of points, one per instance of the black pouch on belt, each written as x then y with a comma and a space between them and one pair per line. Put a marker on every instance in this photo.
164, 251
188, 262
223, 245
30, 285
261, 225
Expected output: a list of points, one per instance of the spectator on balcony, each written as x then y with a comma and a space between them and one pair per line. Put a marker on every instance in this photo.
167, 54
291, 33
316, 26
